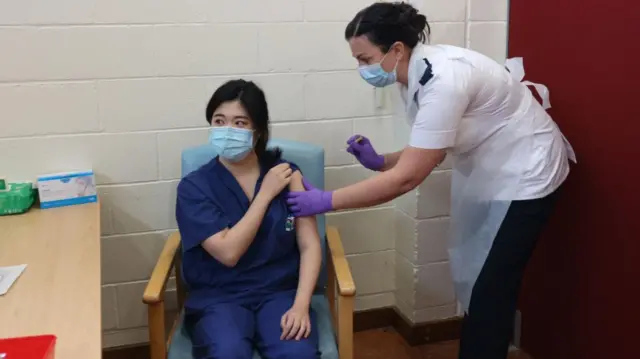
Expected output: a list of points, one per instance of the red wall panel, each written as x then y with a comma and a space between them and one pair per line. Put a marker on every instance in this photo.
578, 300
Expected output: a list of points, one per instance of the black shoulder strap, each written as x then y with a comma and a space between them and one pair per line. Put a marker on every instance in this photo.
428, 73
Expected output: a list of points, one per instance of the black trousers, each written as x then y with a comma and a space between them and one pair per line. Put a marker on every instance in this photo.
488, 326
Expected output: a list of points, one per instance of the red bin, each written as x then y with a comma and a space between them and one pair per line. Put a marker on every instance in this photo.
36, 347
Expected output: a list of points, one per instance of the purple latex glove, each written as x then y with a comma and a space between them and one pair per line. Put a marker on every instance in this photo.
361, 148
310, 202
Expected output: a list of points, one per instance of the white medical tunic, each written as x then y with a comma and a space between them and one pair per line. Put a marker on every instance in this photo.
466, 98
504, 145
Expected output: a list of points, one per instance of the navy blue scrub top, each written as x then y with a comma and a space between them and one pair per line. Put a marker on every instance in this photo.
210, 200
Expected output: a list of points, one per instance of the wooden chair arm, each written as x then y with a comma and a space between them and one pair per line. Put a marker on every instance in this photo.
154, 292
346, 286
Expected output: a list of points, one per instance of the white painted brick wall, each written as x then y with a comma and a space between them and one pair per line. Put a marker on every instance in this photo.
121, 87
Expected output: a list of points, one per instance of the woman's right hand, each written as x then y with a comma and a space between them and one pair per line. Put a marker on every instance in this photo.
360, 147
276, 180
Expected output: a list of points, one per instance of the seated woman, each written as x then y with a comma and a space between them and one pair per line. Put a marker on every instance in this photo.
250, 266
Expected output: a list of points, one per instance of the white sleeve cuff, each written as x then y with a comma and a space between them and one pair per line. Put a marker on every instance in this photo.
432, 140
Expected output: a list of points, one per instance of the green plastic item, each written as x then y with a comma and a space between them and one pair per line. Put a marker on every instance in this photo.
16, 198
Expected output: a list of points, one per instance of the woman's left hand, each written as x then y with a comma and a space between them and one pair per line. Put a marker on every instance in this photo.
310, 202
296, 324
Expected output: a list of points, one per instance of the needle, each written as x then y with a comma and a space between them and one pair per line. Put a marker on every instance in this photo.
357, 140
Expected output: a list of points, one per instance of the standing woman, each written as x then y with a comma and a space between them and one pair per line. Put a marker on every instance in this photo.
509, 159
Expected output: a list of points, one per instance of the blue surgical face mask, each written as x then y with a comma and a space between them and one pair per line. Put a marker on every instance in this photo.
376, 76
232, 144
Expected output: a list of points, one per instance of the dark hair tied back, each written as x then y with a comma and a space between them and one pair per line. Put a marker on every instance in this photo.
417, 21
386, 23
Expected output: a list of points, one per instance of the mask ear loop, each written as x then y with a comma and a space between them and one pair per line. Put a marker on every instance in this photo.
397, 59
395, 67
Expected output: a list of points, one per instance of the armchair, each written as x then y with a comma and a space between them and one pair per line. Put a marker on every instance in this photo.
333, 301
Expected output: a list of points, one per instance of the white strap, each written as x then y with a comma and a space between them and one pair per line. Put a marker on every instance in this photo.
516, 68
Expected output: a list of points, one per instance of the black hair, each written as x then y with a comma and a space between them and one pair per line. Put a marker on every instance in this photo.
254, 102
386, 23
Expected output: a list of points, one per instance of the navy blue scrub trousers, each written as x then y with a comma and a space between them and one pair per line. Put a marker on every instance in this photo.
233, 330
488, 327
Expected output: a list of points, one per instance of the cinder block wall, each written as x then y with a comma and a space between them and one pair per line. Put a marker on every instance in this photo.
120, 87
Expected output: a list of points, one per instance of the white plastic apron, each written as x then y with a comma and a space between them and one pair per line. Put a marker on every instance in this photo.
476, 215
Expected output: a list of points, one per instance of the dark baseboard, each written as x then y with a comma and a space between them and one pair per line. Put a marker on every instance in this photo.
140, 351
413, 334
374, 319
425, 333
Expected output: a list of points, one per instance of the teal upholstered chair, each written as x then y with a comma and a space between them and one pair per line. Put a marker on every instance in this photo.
335, 317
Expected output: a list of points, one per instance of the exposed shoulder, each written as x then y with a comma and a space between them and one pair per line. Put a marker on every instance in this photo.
296, 182
296, 177
294, 167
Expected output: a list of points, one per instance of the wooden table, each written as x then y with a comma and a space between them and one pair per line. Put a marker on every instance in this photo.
59, 291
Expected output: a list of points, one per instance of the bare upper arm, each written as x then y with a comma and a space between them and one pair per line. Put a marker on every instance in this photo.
296, 182
307, 228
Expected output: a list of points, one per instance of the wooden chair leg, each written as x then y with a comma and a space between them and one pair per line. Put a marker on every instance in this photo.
345, 327
180, 288
157, 343
331, 292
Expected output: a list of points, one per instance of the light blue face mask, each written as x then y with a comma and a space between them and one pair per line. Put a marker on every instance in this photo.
232, 144
376, 76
